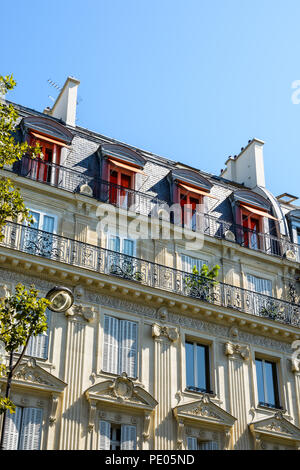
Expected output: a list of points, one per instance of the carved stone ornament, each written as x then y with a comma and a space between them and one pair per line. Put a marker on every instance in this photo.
122, 387
86, 190
29, 373
295, 365
159, 331
86, 312
276, 426
237, 351
290, 255
229, 235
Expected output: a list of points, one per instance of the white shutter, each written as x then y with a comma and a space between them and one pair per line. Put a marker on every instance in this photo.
209, 445
104, 435
128, 437
111, 344
128, 247
31, 429
38, 345
188, 263
192, 443
12, 429
128, 348
259, 285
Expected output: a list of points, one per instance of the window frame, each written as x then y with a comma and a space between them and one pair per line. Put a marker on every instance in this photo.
120, 317
275, 380
209, 362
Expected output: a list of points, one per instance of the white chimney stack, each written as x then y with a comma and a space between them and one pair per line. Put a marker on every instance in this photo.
248, 167
65, 105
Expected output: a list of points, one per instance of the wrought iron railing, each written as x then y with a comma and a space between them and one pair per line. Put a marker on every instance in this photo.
146, 204
75, 253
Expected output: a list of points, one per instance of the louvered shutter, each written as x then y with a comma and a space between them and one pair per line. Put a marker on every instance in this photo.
128, 348
111, 344
260, 285
104, 435
128, 437
128, 247
192, 443
209, 445
31, 429
12, 429
188, 263
38, 345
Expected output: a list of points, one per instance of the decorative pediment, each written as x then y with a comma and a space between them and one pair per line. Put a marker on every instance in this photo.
121, 391
204, 412
275, 427
29, 374
123, 153
47, 126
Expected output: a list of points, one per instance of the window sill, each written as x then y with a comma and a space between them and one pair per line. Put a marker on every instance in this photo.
200, 392
270, 407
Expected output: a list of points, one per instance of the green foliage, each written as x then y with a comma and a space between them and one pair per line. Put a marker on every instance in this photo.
22, 315
7, 405
11, 202
200, 284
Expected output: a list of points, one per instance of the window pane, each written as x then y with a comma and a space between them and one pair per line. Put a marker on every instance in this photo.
201, 367
189, 354
128, 247
270, 398
260, 381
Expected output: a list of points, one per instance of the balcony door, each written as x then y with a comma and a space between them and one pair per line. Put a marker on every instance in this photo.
121, 182
37, 237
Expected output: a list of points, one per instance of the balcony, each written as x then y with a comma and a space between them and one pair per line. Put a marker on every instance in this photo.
64, 250
142, 203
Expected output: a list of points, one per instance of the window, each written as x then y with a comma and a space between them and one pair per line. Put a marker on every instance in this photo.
260, 286
190, 203
38, 345
251, 229
37, 237
194, 444
188, 263
267, 383
116, 437
121, 182
120, 261
23, 429
120, 346
197, 367
42, 168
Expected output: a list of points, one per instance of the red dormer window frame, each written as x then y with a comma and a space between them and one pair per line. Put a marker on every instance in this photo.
121, 177
41, 168
252, 221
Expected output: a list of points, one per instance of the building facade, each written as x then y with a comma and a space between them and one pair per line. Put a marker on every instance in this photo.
152, 355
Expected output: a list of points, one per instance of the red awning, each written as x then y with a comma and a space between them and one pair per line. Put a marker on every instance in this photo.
258, 211
125, 165
49, 139
196, 190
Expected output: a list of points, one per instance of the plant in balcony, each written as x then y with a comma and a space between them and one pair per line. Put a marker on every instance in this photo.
271, 310
201, 284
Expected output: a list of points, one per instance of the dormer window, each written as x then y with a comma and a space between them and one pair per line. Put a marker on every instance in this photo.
255, 226
120, 165
52, 137
190, 190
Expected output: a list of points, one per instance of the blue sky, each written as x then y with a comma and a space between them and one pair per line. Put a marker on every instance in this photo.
190, 80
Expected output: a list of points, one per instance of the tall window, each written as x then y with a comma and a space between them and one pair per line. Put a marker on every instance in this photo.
188, 263
197, 367
42, 168
37, 237
23, 429
267, 383
121, 183
116, 437
251, 230
260, 286
194, 444
190, 203
120, 346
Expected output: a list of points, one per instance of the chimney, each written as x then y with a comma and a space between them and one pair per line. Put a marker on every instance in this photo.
248, 167
65, 105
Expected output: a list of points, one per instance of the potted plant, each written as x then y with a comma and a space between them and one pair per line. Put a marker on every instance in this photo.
201, 284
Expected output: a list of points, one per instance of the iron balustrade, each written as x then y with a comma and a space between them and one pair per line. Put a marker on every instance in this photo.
75, 253
146, 204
